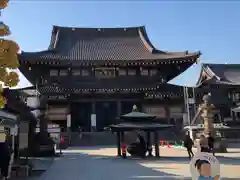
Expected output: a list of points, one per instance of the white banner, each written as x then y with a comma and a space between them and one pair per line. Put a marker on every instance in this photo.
14, 130
69, 120
33, 102
93, 120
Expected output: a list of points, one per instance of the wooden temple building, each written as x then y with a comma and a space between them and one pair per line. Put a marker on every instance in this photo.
16, 112
223, 82
105, 71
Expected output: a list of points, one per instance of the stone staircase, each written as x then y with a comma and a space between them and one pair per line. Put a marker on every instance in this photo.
108, 138
93, 139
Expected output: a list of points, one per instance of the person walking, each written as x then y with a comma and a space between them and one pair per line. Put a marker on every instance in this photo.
188, 144
5, 157
204, 147
211, 141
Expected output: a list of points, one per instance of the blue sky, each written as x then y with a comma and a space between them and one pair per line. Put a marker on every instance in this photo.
211, 27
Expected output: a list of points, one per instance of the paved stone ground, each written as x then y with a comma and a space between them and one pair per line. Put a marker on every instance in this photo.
99, 163
40, 165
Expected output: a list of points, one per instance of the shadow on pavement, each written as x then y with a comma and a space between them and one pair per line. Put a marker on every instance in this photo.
74, 166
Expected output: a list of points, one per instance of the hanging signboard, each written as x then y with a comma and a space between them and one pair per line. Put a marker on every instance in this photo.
176, 112
185, 119
69, 120
191, 101
157, 111
14, 130
23, 135
93, 120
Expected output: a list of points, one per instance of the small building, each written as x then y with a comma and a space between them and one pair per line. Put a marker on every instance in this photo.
16, 112
104, 71
223, 82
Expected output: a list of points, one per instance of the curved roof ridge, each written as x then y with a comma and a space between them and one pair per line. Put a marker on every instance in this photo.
55, 27
146, 41
40, 51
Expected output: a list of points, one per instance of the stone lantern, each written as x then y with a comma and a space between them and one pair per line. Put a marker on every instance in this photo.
207, 111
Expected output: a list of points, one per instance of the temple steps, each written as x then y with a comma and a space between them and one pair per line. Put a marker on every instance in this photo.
109, 138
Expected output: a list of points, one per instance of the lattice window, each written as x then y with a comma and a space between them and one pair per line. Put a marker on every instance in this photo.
236, 97
53, 72
144, 72
153, 72
85, 72
122, 72
105, 72
63, 72
76, 72
132, 72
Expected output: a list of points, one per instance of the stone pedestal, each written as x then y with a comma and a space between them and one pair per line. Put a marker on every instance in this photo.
220, 146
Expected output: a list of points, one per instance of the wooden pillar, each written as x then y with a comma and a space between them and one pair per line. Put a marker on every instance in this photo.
122, 137
167, 110
118, 144
149, 147
43, 121
93, 107
119, 108
156, 142
234, 115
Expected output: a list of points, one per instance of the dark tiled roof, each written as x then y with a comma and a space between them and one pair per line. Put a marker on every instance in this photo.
89, 44
227, 74
140, 126
45, 89
16, 105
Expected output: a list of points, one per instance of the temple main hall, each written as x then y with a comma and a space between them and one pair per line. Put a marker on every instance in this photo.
102, 73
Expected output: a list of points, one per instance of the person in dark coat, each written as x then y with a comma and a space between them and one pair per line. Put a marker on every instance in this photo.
188, 144
211, 144
5, 157
138, 148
